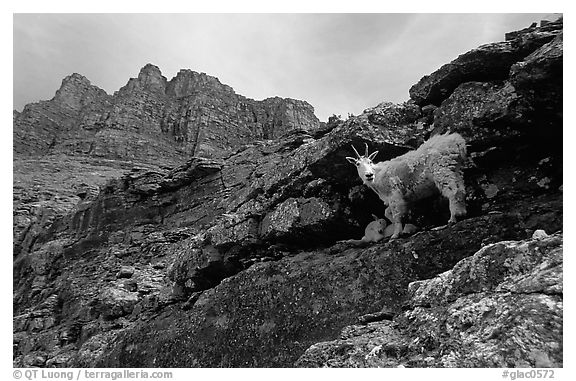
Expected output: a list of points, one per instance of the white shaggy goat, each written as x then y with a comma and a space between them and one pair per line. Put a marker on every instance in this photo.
378, 230
435, 167
375, 231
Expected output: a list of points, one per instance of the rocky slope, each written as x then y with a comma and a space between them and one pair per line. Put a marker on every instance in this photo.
234, 261
83, 137
501, 307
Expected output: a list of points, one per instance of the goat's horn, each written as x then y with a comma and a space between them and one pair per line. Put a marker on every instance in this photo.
366, 154
357, 154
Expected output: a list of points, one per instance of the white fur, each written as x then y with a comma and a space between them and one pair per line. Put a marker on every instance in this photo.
435, 167
375, 231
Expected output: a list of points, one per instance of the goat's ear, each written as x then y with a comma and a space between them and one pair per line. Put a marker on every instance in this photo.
373, 155
352, 160
375, 217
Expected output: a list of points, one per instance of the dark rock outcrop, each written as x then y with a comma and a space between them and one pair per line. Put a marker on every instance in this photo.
47, 188
484, 112
539, 79
487, 63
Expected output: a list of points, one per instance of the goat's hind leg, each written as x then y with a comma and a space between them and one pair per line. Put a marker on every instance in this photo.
452, 187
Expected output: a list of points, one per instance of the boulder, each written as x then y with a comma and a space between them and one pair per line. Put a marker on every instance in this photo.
303, 218
115, 302
125, 272
501, 307
539, 78
486, 63
484, 113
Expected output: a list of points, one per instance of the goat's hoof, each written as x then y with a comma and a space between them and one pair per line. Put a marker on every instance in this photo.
456, 218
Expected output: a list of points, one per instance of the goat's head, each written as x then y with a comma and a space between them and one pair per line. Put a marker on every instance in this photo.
364, 165
379, 224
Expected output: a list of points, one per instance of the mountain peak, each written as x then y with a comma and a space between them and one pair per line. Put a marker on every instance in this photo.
76, 90
187, 82
150, 79
77, 78
150, 69
192, 114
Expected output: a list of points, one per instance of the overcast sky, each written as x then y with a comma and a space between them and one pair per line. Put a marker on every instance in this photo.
339, 63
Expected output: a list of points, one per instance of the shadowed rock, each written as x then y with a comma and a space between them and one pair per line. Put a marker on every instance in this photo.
488, 62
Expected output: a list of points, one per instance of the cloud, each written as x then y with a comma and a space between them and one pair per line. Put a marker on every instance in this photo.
340, 63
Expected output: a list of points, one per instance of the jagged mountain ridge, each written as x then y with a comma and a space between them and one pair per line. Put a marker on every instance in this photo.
83, 137
153, 120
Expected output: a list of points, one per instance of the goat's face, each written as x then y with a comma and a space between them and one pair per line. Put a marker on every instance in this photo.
380, 226
364, 165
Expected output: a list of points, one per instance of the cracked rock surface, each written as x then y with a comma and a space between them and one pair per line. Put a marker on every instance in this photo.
501, 307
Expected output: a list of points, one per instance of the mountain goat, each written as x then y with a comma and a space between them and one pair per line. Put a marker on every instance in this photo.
378, 230
435, 167
375, 231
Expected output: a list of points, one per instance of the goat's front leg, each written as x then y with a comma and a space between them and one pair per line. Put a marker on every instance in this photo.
397, 210
388, 215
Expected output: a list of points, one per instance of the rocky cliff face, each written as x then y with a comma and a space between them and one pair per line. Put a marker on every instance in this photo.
150, 122
153, 120
236, 262
40, 126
